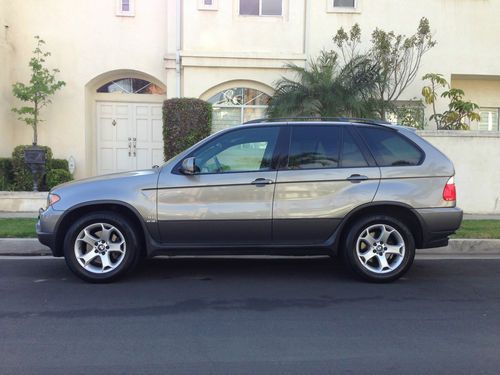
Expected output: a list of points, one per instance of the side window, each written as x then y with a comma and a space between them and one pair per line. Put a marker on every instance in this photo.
314, 147
390, 148
243, 150
351, 154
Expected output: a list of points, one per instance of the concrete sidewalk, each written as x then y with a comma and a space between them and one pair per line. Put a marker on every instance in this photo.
31, 247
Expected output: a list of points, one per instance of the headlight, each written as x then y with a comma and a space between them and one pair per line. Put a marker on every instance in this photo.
52, 198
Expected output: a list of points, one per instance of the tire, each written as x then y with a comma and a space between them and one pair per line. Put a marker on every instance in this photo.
374, 238
101, 247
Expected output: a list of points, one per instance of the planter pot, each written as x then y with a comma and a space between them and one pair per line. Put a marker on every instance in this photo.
34, 158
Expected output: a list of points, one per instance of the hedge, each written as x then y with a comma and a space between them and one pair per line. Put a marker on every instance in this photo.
6, 177
55, 177
185, 122
15, 175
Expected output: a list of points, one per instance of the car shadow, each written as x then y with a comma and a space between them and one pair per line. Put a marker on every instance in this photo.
211, 268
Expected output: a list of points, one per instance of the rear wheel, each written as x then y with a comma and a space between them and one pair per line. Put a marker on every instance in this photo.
101, 247
379, 248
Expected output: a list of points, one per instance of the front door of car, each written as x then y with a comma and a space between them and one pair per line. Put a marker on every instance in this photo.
228, 200
328, 173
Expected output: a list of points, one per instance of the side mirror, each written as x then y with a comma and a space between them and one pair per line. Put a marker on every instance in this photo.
188, 166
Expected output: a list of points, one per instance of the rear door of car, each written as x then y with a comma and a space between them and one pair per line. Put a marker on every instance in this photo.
327, 172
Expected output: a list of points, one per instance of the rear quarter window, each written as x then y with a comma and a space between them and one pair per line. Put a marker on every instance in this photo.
391, 149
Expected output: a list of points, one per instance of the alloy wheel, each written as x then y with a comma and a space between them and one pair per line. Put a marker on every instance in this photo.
380, 248
100, 248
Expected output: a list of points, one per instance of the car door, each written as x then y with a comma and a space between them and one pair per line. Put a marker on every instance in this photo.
327, 174
229, 199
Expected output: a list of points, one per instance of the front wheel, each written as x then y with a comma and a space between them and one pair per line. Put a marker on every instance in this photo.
379, 248
101, 247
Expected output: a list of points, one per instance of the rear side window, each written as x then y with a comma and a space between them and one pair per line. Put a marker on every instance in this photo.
313, 147
390, 148
351, 154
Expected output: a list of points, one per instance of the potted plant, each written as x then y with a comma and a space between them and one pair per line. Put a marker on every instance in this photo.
42, 85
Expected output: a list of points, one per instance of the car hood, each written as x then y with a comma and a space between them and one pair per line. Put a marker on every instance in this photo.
113, 177
135, 188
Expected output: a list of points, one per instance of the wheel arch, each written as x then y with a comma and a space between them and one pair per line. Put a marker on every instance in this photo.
400, 211
122, 208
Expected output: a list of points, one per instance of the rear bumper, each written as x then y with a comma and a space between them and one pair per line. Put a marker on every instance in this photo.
438, 224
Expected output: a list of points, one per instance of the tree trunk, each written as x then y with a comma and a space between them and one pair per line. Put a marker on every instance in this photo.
35, 125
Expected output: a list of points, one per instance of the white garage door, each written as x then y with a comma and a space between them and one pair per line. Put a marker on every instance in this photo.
129, 136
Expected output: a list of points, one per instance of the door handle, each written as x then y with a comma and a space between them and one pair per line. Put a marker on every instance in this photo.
129, 147
261, 182
135, 147
357, 178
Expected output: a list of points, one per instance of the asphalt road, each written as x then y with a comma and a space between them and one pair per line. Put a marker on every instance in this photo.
250, 316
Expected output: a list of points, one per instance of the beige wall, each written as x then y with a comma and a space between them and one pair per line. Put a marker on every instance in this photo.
90, 45
86, 40
475, 156
6, 122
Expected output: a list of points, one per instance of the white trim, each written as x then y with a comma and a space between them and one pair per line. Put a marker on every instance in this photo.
124, 13
330, 8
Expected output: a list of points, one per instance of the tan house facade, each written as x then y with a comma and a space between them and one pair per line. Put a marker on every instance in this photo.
122, 58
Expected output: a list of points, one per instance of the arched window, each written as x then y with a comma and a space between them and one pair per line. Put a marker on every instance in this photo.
237, 105
131, 86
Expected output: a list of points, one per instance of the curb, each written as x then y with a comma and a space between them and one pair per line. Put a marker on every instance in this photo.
23, 246
31, 247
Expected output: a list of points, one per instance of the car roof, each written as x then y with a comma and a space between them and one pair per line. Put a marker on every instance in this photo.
319, 120
324, 121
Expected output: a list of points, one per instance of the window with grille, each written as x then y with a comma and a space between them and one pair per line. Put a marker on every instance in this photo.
261, 7
489, 119
125, 8
344, 3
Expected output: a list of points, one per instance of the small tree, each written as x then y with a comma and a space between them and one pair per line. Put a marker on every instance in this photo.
326, 87
41, 87
397, 56
460, 112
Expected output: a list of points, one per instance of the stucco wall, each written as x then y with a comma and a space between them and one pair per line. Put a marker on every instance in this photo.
5, 92
475, 156
86, 39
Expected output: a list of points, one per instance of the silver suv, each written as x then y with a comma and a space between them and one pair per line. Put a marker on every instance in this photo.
367, 191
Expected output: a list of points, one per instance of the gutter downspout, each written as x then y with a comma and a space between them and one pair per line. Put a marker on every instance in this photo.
178, 39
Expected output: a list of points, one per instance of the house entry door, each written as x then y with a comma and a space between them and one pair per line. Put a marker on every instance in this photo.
129, 136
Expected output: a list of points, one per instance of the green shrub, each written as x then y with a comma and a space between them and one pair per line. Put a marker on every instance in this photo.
185, 122
55, 177
5, 173
21, 174
58, 164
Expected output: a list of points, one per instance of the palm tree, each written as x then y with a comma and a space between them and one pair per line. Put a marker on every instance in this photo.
327, 89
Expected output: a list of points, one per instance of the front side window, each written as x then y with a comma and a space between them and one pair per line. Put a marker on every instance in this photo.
390, 148
313, 147
244, 150
261, 7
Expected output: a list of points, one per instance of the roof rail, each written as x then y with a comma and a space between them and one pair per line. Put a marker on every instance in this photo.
319, 119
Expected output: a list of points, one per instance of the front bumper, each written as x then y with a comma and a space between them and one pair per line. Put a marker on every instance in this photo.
46, 228
438, 224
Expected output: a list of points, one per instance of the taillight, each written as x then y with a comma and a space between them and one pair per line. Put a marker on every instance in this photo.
450, 191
